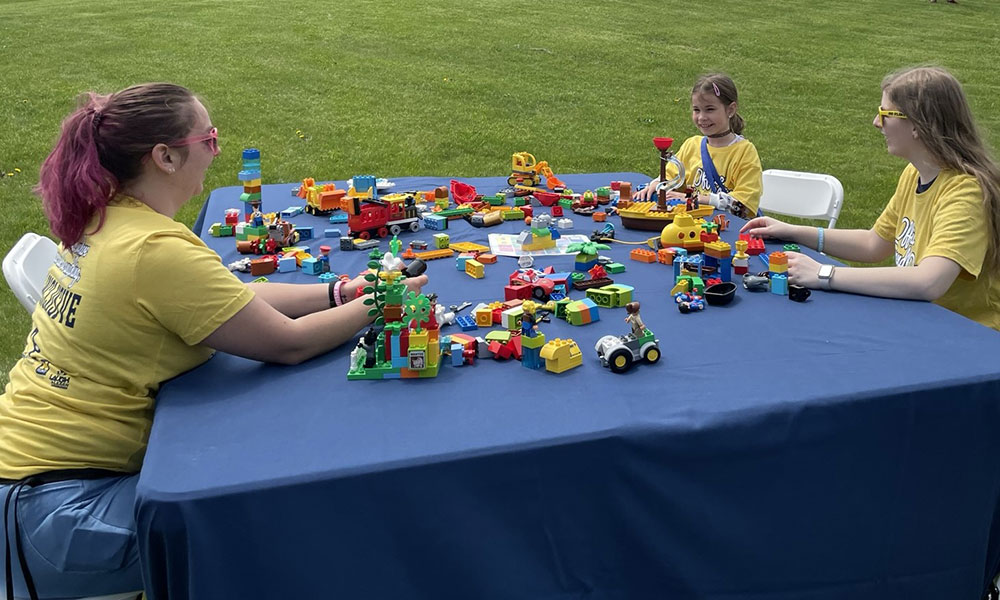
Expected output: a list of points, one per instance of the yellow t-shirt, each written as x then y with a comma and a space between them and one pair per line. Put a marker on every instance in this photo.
738, 166
121, 311
949, 220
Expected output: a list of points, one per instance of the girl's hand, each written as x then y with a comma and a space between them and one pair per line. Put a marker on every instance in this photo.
802, 270
766, 227
646, 192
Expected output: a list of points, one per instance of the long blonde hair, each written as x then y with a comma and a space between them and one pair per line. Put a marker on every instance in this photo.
935, 104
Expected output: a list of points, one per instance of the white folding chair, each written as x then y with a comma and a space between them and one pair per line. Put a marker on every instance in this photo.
805, 195
26, 265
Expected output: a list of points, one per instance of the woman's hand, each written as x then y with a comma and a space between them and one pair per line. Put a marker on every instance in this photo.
802, 270
349, 290
767, 227
414, 284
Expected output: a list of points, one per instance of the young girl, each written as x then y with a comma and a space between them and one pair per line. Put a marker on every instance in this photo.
133, 299
721, 159
942, 225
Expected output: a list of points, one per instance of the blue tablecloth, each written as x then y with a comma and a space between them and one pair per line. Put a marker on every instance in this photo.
841, 448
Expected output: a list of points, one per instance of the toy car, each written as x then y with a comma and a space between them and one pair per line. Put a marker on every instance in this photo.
619, 352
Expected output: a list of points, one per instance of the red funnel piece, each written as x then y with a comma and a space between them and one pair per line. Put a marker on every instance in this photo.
663, 143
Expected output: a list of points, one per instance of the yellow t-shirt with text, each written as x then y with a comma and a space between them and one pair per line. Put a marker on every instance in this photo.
738, 165
121, 311
948, 220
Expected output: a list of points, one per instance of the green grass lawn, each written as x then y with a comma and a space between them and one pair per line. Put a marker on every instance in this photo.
454, 87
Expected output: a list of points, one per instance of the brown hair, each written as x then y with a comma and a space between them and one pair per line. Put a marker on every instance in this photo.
934, 102
722, 87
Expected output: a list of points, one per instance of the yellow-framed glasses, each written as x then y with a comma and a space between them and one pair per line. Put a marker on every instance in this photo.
883, 113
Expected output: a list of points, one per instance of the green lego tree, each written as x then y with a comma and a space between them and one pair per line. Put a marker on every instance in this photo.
586, 251
376, 289
418, 308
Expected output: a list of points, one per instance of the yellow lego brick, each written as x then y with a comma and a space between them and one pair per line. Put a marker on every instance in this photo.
474, 268
561, 355
469, 247
718, 249
780, 268
484, 317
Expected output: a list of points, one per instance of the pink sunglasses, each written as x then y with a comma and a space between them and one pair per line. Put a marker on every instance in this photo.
212, 137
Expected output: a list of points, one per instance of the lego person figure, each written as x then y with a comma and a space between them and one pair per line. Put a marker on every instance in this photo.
633, 319
529, 322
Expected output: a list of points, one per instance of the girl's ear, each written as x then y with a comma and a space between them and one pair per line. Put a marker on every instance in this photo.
163, 158
731, 109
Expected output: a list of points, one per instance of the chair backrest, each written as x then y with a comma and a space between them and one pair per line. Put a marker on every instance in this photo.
26, 266
799, 194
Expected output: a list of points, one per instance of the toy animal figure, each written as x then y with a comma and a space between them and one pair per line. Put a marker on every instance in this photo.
358, 357
367, 344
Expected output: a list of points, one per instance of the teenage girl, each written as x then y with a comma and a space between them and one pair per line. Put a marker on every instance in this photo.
942, 225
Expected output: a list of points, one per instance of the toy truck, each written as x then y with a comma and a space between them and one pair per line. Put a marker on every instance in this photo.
388, 216
620, 352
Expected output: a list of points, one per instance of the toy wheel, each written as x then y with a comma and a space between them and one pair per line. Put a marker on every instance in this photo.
415, 226
364, 235
383, 231
539, 294
395, 229
512, 181
620, 360
652, 354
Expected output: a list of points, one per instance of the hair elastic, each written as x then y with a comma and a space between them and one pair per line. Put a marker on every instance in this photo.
98, 117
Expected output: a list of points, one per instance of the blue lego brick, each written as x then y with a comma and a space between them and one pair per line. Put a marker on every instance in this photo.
287, 265
305, 233
312, 266
556, 296
249, 175
435, 222
338, 218
457, 360
334, 233
251, 154
291, 211
466, 322
328, 277
779, 284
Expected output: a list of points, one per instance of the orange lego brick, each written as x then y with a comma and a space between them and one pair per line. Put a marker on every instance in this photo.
665, 256
643, 255
432, 254
600, 216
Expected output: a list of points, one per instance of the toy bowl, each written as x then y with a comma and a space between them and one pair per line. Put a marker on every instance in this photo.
663, 143
720, 294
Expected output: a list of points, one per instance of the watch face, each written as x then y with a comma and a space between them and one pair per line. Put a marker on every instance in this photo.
825, 271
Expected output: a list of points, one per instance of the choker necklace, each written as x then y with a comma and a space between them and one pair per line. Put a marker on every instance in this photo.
719, 135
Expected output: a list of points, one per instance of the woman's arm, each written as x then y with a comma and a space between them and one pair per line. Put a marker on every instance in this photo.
927, 281
858, 245
260, 332
295, 299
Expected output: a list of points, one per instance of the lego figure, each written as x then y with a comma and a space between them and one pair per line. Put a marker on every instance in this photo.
633, 319
529, 319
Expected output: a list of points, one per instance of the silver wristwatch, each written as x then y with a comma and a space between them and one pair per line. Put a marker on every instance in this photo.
826, 276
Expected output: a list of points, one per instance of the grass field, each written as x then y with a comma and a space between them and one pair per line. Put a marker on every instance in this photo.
454, 87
